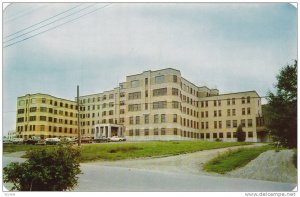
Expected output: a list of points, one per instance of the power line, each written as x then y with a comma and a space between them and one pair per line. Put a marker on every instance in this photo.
43, 21
55, 26
49, 23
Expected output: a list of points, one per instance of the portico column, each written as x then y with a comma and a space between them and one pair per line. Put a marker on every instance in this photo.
109, 131
119, 131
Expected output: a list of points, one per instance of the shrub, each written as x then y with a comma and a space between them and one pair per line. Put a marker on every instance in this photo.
45, 170
240, 134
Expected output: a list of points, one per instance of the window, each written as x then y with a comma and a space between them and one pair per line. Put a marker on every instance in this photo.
43, 118
156, 118
134, 107
21, 119
202, 114
249, 122
248, 99
111, 112
248, 111
175, 104
202, 125
43, 109
146, 106
215, 135
160, 92
202, 104
32, 118
32, 109
49, 119
206, 114
220, 113
220, 124
111, 96
42, 127
174, 117
146, 81
163, 117
243, 122
228, 112
21, 103
228, 123
159, 79
206, 125
243, 100
160, 105
206, 103
122, 111
21, 111
50, 110
33, 101
228, 101
215, 124
156, 131
135, 83
146, 118
130, 120
163, 131
207, 135
234, 123
137, 120
175, 91
43, 100
215, 113
134, 95
111, 104
146, 132
243, 111
233, 112
146, 93
233, 101
175, 131
250, 134
174, 78
215, 103
228, 134
137, 132
130, 132
219, 102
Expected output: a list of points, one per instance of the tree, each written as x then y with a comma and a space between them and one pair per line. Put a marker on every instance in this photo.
282, 107
52, 169
240, 134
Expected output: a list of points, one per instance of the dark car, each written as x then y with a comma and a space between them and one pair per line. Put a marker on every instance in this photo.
32, 141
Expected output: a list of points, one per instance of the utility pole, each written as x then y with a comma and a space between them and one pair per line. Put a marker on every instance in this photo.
78, 117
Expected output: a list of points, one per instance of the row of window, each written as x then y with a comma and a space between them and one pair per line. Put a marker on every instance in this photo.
50, 119
94, 99
162, 131
43, 128
229, 124
50, 110
230, 112
51, 102
230, 101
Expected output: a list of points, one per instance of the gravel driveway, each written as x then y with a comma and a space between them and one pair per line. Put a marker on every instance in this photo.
190, 163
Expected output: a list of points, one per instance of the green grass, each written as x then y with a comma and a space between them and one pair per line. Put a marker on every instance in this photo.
111, 152
119, 151
10, 148
234, 159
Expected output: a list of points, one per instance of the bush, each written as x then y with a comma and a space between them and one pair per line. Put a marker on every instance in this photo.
240, 134
45, 170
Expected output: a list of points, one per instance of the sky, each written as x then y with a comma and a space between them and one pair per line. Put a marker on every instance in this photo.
230, 46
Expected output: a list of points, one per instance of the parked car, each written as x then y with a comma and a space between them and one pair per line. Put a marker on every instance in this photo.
100, 139
33, 140
17, 141
116, 139
41, 142
52, 141
68, 140
7, 141
86, 140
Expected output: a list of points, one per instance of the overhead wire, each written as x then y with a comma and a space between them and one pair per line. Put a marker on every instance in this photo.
42, 21
56, 26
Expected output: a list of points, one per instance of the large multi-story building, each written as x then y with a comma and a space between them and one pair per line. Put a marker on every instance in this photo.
45, 116
162, 105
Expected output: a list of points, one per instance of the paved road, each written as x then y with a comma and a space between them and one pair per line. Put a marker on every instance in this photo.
99, 178
105, 178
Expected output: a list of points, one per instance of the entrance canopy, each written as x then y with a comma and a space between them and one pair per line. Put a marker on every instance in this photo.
108, 130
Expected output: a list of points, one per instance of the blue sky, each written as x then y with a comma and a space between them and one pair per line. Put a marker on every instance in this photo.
229, 46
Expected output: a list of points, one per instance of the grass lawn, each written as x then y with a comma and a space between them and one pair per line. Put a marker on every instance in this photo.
119, 151
91, 152
10, 148
234, 159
